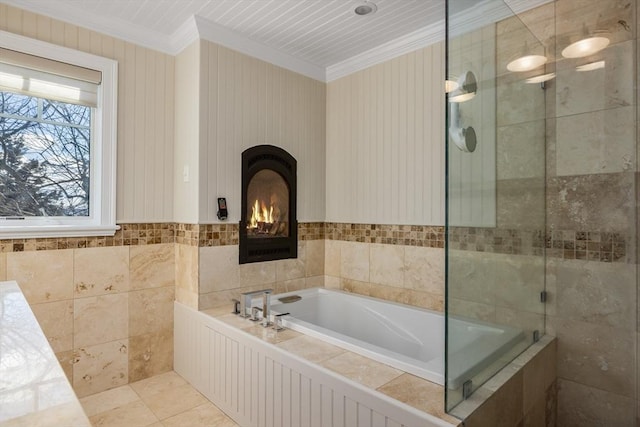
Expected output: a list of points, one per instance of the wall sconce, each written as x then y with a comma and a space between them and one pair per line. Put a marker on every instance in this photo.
466, 88
463, 138
587, 45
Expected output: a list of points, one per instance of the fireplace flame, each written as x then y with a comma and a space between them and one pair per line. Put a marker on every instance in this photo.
260, 214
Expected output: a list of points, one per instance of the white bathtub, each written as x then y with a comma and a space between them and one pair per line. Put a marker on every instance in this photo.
405, 337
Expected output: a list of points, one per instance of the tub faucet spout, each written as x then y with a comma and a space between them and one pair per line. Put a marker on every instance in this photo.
245, 302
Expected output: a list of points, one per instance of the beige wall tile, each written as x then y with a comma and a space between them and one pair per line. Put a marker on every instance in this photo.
472, 309
424, 269
314, 282
152, 266
583, 142
187, 268
521, 150
386, 265
331, 282
219, 268
43, 276
314, 258
580, 405
150, 354
186, 297
99, 271
3, 266
100, 319
389, 293
67, 359
151, 310
426, 300
56, 320
332, 256
291, 285
361, 288
288, 269
573, 15
594, 355
257, 273
354, 261
100, 367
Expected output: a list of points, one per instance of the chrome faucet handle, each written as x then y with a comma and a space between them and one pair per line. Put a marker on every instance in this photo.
254, 314
236, 306
277, 322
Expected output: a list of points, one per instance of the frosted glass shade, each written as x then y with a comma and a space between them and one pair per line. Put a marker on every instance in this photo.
526, 63
585, 47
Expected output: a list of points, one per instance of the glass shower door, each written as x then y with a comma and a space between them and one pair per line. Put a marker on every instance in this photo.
495, 193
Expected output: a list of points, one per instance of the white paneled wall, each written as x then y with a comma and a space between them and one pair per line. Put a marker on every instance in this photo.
246, 102
259, 385
385, 142
145, 111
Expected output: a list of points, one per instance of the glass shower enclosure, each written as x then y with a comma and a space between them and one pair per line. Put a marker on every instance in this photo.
495, 225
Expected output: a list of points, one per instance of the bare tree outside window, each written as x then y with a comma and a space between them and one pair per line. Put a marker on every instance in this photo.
44, 157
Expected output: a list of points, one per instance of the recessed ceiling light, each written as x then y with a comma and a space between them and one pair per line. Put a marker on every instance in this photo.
366, 8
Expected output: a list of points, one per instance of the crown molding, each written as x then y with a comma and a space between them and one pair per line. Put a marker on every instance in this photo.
112, 27
186, 34
218, 34
418, 39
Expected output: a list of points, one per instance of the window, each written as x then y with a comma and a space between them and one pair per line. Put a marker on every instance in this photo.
57, 140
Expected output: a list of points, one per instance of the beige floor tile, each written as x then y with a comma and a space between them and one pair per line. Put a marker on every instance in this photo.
108, 400
311, 348
361, 369
134, 414
174, 401
203, 415
158, 384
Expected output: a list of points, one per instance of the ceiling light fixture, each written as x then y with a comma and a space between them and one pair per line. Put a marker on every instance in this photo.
366, 8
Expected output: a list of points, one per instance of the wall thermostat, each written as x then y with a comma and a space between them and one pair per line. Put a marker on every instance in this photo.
222, 209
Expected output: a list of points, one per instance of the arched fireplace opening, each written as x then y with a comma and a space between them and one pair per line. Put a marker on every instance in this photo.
268, 223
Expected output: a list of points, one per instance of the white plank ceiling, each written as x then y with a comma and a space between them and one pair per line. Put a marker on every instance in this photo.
313, 36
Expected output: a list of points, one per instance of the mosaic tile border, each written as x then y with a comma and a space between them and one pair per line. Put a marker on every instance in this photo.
563, 244
408, 235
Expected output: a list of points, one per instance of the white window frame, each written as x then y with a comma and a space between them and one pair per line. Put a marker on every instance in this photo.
102, 203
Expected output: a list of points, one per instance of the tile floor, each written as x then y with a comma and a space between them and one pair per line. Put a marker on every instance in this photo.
166, 400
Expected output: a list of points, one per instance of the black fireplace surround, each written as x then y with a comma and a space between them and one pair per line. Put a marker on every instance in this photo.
268, 222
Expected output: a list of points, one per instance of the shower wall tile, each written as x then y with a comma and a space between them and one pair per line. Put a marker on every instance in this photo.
152, 266
100, 319
186, 275
583, 406
431, 301
609, 87
56, 320
389, 293
387, 265
356, 287
99, 271
594, 355
100, 367
224, 298
424, 269
354, 261
603, 202
615, 16
520, 203
43, 276
520, 151
518, 102
150, 354
596, 143
472, 309
151, 310
218, 268
66, 359
592, 292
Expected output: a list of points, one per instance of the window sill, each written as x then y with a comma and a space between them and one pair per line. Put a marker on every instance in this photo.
53, 231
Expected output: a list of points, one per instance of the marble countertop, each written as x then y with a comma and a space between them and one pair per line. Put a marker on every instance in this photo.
34, 390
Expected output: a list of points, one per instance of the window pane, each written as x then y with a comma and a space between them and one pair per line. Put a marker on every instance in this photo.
18, 105
66, 113
44, 168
